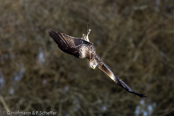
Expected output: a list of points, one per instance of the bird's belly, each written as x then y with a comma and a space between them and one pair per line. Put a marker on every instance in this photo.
83, 55
83, 52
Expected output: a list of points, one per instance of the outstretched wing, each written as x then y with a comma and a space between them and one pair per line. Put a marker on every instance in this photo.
102, 66
67, 43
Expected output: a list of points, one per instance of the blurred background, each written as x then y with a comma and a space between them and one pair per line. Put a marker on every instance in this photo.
134, 38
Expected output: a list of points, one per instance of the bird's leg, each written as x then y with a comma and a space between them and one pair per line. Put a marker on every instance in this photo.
85, 37
88, 32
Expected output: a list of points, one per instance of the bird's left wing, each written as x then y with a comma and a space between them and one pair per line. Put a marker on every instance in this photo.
102, 66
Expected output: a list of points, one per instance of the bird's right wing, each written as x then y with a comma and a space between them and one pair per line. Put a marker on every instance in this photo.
102, 66
67, 43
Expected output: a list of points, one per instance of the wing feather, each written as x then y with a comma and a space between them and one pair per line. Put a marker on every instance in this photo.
102, 66
68, 43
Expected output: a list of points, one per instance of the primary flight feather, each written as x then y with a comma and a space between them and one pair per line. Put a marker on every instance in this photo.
83, 48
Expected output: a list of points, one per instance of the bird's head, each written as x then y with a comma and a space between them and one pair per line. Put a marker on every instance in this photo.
93, 63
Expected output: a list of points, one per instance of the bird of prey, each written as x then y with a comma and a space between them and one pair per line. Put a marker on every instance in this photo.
83, 48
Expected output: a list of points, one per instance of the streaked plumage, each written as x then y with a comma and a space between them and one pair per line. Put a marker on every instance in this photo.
83, 48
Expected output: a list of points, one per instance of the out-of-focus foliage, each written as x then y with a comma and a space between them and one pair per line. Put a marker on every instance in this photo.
134, 37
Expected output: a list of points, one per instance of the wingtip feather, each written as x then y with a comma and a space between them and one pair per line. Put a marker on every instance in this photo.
139, 94
51, 32
54, 35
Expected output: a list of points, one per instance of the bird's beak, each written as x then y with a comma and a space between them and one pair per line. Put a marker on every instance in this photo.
93, 67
